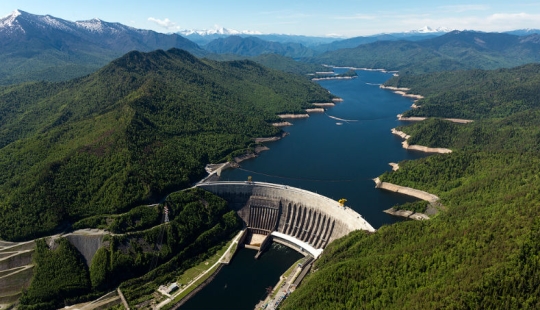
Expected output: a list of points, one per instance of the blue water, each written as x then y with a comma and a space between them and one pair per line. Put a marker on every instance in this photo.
341, 161
323, 157
243, 284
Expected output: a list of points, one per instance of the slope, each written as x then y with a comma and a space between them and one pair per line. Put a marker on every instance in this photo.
483, 250
456, 50
142, 126
36, 47
252, 46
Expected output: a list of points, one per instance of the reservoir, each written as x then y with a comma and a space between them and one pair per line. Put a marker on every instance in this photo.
322, 156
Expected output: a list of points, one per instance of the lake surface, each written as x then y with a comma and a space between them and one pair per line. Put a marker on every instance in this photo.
337, 161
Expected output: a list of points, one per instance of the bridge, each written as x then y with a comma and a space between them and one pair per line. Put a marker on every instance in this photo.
298, 218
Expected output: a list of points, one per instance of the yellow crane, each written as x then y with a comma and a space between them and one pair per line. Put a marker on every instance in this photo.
342, 202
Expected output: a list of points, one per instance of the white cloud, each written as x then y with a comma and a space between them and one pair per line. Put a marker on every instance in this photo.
165, 23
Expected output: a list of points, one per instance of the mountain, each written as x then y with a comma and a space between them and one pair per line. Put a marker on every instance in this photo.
413, 35
36, 47
252, 46
140, 127
524, 32
427, 29
276, 62
455, 50
203, 37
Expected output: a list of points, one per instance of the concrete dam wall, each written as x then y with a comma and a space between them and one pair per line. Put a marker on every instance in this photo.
306, 216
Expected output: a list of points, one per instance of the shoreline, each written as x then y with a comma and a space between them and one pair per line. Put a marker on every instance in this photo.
420, 148
287, 116
315, 110
334, 78
402, 91
422, 118
409, 192
362, 69
282, 124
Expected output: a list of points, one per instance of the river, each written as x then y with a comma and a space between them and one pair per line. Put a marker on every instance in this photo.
337, 161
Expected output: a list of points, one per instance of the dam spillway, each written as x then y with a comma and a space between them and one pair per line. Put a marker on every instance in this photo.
308, 219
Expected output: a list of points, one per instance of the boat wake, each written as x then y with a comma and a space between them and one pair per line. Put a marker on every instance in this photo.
341, 119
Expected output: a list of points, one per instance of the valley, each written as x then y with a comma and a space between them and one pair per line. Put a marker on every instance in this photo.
104, 128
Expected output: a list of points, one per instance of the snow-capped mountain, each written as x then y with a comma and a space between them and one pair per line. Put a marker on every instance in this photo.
46, 44
217, 31
524, 32
427, 29
20, 25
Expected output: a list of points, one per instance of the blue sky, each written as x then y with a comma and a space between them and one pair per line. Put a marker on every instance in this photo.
346, 18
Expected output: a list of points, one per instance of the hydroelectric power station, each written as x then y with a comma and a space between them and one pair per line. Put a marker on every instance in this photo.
298, 218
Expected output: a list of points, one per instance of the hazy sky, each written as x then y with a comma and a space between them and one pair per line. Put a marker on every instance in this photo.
308, 17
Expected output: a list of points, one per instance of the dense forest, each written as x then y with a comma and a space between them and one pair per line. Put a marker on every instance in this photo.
142, 126
457, 50
199, 223
482, 251
475, 94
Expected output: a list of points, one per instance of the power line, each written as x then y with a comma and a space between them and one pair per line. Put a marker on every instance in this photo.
299, 179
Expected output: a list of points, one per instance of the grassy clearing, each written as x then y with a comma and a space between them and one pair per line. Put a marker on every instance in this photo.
194, 271
190, 289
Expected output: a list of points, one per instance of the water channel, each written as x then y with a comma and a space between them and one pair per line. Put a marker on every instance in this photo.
320, 155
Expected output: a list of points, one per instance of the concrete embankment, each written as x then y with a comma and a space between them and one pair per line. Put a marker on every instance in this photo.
420, 148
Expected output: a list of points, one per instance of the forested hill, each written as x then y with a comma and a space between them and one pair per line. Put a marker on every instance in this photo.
140, 127
474, 94
482, 251
457, 50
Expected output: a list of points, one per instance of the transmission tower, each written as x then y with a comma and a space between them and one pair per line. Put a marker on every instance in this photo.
159, 242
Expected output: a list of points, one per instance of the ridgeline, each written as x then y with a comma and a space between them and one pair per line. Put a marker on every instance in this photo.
137, 129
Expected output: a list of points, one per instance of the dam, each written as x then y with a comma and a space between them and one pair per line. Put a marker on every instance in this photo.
298, 218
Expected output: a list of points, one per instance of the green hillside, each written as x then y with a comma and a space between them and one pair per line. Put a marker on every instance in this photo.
475, 94
141, 127
482, 251
458, 50
275, 61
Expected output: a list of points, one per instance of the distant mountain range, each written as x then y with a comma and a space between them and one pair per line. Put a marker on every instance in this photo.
253, 46
37, 47
456, 50
203, 37
46, 46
